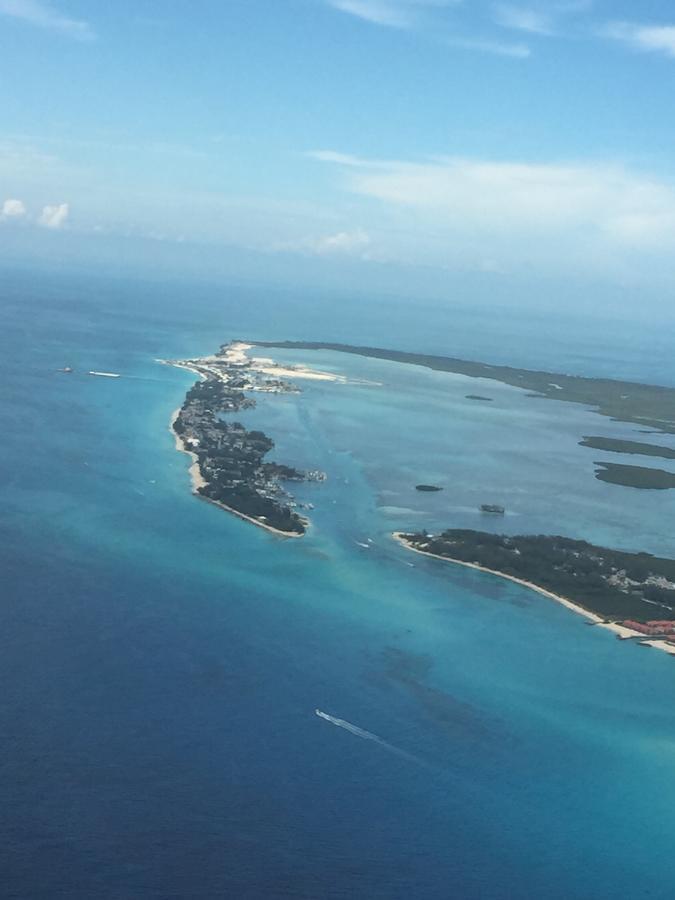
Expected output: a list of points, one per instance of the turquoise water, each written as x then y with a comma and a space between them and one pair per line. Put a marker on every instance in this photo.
162, 660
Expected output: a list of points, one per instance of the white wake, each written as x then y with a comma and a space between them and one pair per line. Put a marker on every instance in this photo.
365, 735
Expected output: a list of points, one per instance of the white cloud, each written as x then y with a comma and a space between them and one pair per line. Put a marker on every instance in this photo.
406, 14
654, 38
515, 51
342, 243
523, 18
342, 159
51, 216
42, 15
13, 209
448, 209
54, 216
392, 13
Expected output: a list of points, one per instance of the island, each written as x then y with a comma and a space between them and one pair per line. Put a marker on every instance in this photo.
635, 476
646, 405
229, 461
637, 448
633, 593
478, 397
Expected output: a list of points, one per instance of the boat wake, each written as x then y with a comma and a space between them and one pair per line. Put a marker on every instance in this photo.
366, 735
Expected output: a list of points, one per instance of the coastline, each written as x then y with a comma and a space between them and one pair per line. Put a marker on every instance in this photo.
195, 475
198, 481
241, 515
182, 365
645, 405
620, 631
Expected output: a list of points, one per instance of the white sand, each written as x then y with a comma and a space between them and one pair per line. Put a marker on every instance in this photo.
283, 372
620, 630
660, 645
188, 368
195, 475
198, 481
236, 352
258, 522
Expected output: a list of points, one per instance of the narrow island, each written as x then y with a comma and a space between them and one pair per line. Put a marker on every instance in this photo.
229, 462
643, 477
640, 477
638, 448
647, 405
633, 594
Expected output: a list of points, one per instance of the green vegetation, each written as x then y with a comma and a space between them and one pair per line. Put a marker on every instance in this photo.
635, 476
611, 583
636, 447
646, 405
231, 459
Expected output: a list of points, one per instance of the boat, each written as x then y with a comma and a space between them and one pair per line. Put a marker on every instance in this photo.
106, 374
493, 508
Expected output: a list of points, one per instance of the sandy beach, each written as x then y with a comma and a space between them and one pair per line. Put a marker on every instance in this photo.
659, 645
182, 365
241, 515
236, 353
265, 368
620, 631
198, 481
195, 474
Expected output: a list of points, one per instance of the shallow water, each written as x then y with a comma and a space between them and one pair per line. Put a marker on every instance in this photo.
162, 661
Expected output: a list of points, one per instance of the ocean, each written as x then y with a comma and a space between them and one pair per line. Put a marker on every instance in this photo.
162, 662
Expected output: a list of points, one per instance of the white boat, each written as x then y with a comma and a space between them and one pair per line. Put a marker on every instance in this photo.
105, 374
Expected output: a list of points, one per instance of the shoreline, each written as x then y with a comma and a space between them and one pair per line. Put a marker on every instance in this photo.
195, 475
624, 401
621, 632
198, 480
241, 515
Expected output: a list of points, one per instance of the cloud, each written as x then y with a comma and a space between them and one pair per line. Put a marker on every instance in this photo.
446, 209
523, 18
13, 209
54, 216
34, 12
342, 243
342, 159
515, 51
392, 13
543, 18
654, 38
405, 14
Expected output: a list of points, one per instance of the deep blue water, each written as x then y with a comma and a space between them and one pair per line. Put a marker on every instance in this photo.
161, 661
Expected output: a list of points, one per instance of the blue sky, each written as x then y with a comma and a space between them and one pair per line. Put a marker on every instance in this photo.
528, 139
